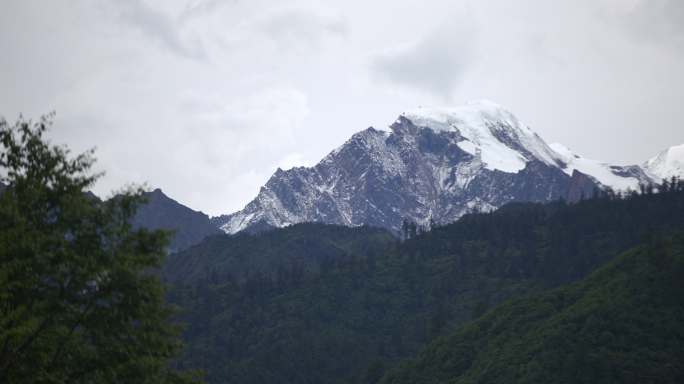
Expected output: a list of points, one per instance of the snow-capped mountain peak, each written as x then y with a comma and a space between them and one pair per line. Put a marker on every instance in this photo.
667, 163
489, 131
436, 164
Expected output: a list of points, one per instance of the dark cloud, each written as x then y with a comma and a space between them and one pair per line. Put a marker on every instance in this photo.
158, 26
656, 21
435, 64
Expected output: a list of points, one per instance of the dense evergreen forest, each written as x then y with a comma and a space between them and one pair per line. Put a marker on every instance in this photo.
623, 324
314, 303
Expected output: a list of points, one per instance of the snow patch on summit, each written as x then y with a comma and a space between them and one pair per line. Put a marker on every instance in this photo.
667, 163
484, 126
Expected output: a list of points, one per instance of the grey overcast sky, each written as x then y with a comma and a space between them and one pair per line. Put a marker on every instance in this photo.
206, 98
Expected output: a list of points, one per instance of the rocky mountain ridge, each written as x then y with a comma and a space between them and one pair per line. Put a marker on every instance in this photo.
434, 165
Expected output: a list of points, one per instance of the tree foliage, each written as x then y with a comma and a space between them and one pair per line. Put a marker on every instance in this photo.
78, 300
623, 324
314, 303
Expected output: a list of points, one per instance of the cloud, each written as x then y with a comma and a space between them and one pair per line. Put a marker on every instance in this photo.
236, 143
205, 98
301, 23
158, 26
653, 21
264, 120
434, 64
199, 8
293, 27
200, 142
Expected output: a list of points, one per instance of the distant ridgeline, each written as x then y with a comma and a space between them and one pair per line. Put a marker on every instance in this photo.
315, 303
188, 226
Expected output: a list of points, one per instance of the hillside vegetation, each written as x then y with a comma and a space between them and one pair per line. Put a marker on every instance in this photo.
623, 324
314, 303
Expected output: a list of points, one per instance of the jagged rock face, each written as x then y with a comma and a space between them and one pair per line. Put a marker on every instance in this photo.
430, 167
581, 186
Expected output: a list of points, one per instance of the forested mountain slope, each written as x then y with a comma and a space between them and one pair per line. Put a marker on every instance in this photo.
300, 250
348, 317
623, 324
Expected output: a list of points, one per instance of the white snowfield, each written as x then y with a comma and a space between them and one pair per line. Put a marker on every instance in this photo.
478, 122
600, 171
667, 163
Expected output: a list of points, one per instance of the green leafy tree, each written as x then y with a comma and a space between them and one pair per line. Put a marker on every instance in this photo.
79, 299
